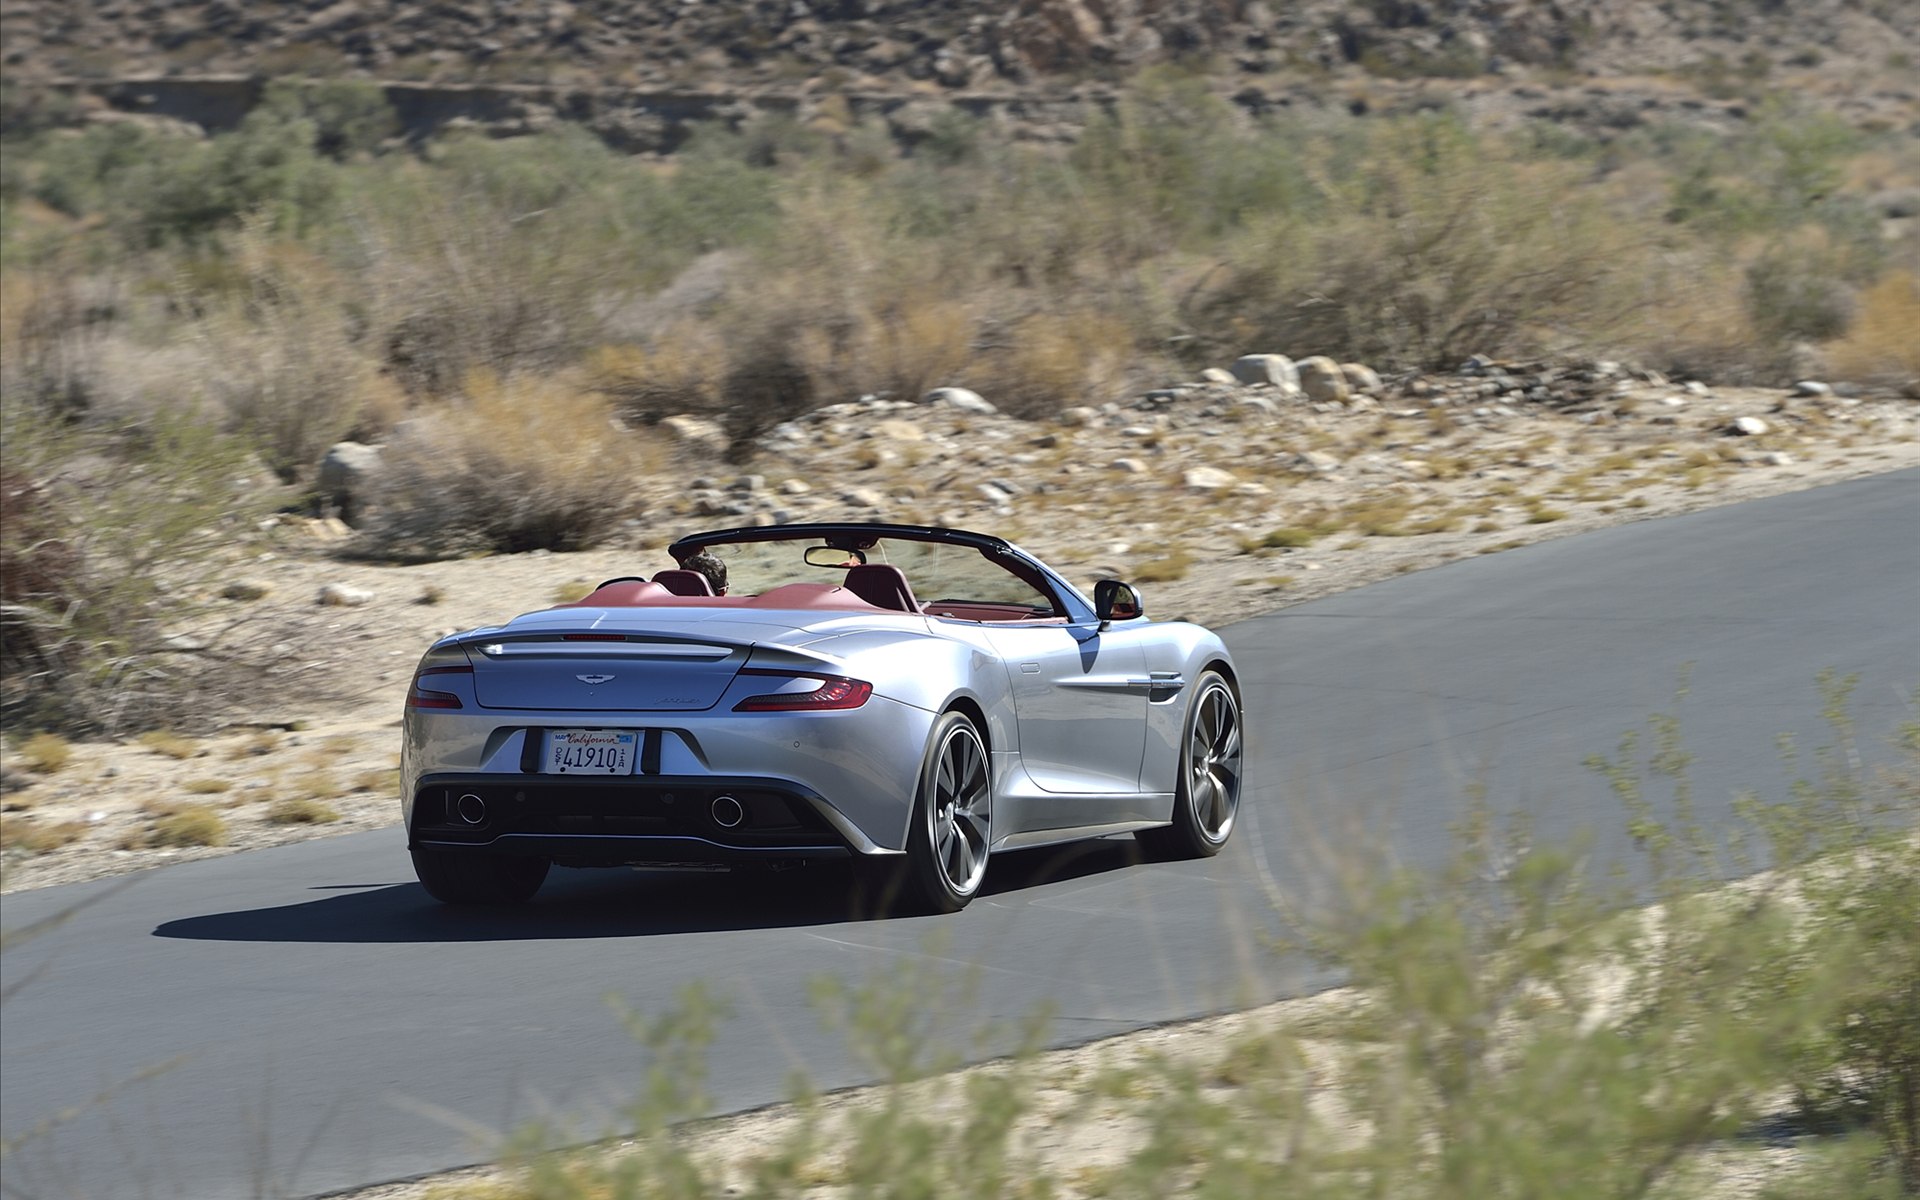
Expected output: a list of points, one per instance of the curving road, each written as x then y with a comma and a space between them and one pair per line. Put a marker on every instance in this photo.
322, 1024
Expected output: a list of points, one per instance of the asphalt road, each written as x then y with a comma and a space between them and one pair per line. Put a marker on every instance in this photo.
293, 1021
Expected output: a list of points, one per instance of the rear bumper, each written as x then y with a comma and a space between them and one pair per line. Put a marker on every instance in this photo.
614, 820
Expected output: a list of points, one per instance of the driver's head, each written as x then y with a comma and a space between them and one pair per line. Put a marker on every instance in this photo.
710, 566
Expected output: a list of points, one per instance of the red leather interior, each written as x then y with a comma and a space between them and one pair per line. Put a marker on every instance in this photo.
684, 582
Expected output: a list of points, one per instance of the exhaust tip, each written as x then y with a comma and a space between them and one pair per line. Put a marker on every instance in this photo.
471, 809
728, 812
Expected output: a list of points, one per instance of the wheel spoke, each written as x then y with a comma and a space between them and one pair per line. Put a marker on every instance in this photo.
1220, 808
961, 872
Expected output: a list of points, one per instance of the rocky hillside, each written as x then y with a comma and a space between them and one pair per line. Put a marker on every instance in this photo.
1850, 46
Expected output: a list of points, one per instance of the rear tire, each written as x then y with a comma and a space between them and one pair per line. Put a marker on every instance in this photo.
1206, 797
494, 879
952, 832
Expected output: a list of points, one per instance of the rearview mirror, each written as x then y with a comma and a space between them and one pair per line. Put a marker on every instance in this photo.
831, 556
1116, 601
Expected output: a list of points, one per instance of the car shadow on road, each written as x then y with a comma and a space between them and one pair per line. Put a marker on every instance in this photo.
622, 904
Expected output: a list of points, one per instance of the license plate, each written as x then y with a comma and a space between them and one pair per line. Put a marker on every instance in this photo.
588, 752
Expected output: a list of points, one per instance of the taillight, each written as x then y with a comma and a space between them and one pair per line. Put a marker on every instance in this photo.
422, 697
833, 692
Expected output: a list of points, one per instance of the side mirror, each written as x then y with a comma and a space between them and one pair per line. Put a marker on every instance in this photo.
1116, 601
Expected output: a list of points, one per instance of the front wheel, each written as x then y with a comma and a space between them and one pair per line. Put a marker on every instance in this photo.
479, 878
1207, 796
952, 831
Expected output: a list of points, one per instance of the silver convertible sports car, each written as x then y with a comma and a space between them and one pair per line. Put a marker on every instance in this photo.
912, 698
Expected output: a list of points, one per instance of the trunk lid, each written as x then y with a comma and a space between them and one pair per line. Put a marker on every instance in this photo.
604, 672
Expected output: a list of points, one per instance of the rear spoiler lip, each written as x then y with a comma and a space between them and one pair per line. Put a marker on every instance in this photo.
757, 655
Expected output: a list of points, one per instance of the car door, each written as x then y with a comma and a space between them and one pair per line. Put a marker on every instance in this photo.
1080, 697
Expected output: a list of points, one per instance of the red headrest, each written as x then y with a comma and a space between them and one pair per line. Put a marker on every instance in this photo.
881, 586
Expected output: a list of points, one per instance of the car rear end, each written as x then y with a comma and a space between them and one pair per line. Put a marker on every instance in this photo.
598, 745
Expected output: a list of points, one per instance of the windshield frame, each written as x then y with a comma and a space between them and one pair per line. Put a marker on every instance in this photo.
1067, 600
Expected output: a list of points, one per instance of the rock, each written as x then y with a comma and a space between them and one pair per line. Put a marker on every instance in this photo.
696, 433
1323, 381
1266, 368
1208, 479
245, 589
959, 399
1777, 458
341, 595
1911, 389
863, 498
1312, 462
1748, 426
1131, 466
991, 494
1078, 415
899, 431
795, 487
1693, 387
1361, 379
348, 472
1216, 375
1810, 387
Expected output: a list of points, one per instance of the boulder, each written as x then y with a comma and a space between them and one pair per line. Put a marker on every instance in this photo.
895, 430
1361, 379
341, 595
347, 476
1311, 462
1276, 369
696, 433
1208, 479
1748, 427
1216, 375
1323, 381
959, 399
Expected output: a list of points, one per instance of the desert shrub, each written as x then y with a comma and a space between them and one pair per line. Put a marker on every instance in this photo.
1426, 253
266, 169
477, 270
106, 541
279, 358
1793, 292
512, 465
1035, 366
347, 116
56, 324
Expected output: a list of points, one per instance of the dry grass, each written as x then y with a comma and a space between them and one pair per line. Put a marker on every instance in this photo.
26, 835
207, 787
1171, 566
300, 810
187, 825
172, 745
46, 753
1883, 344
